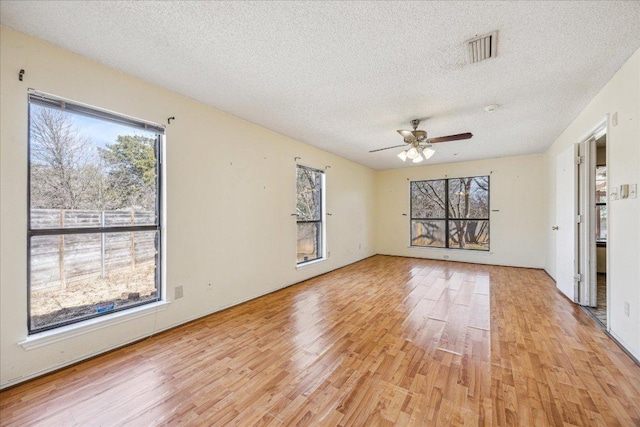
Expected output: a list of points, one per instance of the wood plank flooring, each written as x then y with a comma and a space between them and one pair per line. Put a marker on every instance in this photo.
385, 341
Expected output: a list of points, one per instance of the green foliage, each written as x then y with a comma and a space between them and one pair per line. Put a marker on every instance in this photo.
69, 170
131, 172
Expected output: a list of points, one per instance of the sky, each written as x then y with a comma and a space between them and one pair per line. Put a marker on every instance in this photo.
101, 132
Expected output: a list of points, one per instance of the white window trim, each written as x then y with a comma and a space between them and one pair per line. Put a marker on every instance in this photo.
451, 251
44, 338
310, 263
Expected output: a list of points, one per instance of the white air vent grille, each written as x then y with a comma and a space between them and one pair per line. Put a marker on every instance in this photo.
482, 47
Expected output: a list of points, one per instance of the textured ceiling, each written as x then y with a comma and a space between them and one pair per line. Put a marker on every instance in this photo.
344, 76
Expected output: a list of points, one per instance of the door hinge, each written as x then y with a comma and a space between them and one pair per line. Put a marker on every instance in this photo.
579, 219
577, 278
579, 160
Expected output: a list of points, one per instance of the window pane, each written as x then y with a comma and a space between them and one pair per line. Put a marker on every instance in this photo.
469, 234
78, 276
309, 191
469, 197
309, 241
601, 223
601, 184
82, 166
428, 233
428, 199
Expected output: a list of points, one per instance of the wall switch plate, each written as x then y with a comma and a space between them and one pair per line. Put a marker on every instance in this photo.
633, 191
614, 119
624, 191
614, 194
178, 292
626, 308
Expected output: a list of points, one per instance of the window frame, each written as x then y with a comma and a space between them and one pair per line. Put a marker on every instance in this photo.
322, 221
63, 104
447, 218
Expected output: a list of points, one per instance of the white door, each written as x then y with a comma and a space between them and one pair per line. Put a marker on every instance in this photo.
587, 289
565, 228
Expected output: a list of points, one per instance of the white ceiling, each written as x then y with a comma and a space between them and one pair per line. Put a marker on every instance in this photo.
344, 76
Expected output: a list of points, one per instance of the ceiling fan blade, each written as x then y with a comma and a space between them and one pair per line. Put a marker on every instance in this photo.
388, 148
406, 134
450, 138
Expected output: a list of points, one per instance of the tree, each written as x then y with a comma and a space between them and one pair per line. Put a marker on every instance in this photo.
131, 172
467, 199
64, 171
308, 204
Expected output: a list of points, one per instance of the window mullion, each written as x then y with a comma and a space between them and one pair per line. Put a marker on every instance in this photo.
446, 214
90, 230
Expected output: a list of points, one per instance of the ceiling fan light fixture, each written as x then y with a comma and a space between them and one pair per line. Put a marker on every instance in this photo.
428, 152
417, 159
412, 153
403, 156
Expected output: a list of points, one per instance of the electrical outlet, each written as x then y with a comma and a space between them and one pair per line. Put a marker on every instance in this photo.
445, 256
626, 308
178, 292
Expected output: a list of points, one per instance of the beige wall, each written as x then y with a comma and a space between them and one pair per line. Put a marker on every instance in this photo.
230, 192
517, 211
601, 260
622, 96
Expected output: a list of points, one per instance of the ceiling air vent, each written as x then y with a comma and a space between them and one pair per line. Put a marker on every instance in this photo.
482, 47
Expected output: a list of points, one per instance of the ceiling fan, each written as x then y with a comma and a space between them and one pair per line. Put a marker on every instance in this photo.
419, 146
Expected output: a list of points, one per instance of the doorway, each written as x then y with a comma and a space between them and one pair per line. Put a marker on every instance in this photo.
599, 309
582, 222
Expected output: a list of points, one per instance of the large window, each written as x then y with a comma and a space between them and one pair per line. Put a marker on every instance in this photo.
451, 213
309, 212
94, 213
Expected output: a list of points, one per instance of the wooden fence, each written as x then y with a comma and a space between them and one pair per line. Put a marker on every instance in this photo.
59, 260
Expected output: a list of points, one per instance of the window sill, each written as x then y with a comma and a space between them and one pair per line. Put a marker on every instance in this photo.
310, 263
453, 251
65, 332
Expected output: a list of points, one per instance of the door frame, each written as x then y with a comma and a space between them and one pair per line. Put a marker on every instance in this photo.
586, 292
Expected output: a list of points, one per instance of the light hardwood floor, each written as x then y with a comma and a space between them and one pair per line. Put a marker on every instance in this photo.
385, 341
